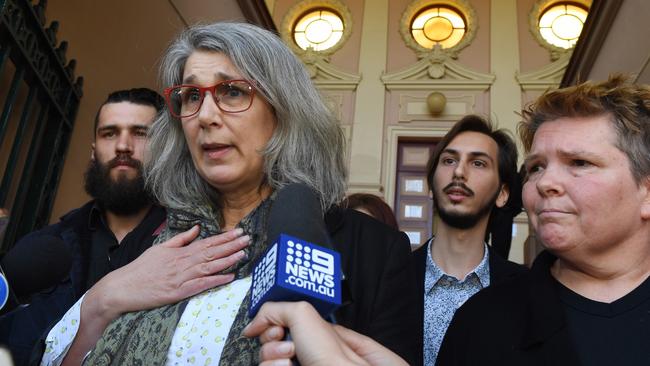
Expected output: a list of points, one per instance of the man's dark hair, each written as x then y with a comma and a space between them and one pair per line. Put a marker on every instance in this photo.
507, 159
141, 96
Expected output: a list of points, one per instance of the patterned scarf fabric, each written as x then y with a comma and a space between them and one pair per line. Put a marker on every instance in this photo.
144, 337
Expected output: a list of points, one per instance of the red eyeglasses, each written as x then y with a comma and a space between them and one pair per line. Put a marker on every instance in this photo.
231, 96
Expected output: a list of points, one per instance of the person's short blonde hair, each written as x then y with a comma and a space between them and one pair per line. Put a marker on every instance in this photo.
627, 104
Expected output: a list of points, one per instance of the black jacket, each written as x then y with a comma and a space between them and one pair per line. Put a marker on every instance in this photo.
375, 259
500, 270
518, 322
21, 329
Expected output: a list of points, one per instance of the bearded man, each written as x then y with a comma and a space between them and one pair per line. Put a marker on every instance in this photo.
106, 233
470, 175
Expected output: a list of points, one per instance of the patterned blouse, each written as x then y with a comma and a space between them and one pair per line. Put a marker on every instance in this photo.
199, 338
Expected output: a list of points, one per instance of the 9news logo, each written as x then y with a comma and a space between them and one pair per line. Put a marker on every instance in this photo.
264, 275
294, 269
309, 268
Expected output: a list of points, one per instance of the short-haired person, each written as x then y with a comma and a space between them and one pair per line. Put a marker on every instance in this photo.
111, 230
243, 121
373, 206
586, 299
470, 175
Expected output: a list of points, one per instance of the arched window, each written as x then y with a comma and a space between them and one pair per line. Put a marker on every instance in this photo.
561, 23
438, 25
319, 29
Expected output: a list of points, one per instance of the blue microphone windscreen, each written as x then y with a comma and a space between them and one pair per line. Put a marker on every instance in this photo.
297, 270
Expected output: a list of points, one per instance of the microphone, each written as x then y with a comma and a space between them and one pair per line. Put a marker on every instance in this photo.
300, 264
35, 264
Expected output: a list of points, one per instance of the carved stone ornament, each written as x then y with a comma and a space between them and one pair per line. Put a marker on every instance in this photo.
326, 76
546, 77
416, 6
533, 18
437, 70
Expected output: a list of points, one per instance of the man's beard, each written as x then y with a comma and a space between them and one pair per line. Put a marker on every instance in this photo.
124, 196
463, 220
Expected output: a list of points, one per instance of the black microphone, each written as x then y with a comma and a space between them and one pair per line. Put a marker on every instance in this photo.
35, 264
300, 264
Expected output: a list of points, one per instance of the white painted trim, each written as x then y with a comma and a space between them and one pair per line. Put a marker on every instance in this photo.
549, 76
437, 70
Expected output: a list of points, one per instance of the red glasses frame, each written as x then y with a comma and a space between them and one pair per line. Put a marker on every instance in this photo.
202, 91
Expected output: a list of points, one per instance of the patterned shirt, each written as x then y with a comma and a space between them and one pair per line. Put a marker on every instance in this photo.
443, 295
200, 335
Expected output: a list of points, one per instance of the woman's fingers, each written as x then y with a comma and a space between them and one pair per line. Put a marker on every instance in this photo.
272, 333
183, 238
215, 251
217, 265
280, 362
271, 314
277, 350
219, 239
205, 260
198, 285
175, 270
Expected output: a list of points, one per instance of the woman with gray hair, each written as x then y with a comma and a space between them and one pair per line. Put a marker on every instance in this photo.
243, 121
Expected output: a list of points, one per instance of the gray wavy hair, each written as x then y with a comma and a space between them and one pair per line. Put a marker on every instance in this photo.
306, 147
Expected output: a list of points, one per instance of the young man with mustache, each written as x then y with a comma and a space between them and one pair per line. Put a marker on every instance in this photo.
109, 231
470, 175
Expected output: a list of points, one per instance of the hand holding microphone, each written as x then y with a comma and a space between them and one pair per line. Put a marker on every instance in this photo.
301, 267
299, 264
315, 342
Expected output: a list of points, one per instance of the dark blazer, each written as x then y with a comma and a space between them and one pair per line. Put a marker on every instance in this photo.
500, 270
518, 322
376, 260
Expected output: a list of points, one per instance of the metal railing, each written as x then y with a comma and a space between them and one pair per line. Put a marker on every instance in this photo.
39, 98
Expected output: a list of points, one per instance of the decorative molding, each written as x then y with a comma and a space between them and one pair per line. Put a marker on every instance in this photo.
416, 6
599, 21
547, 77
326, 76
302, 7
438, 71
533, 18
